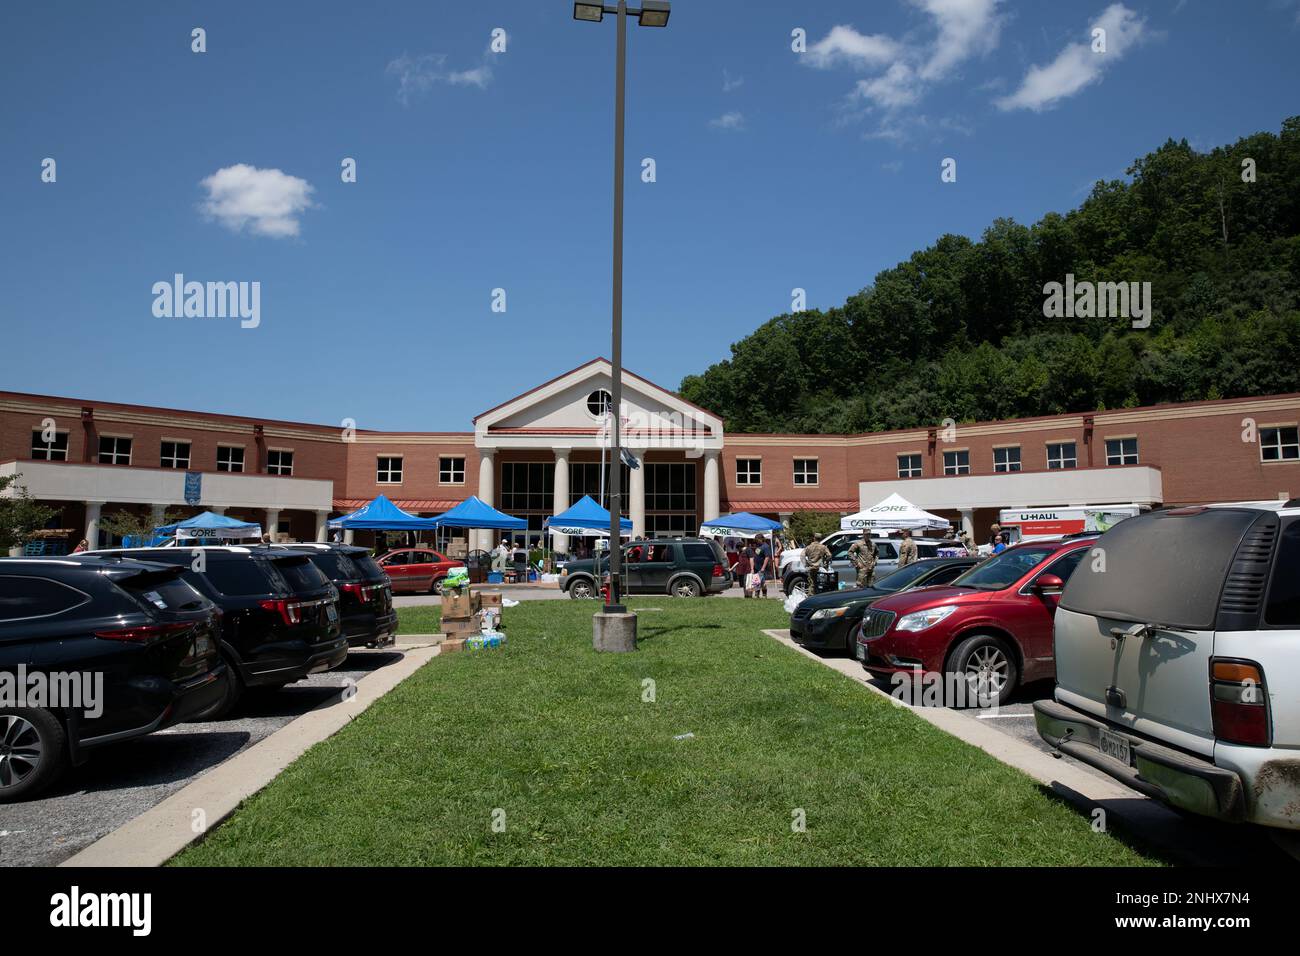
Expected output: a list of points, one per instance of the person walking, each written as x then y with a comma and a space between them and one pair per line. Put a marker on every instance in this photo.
863, 556
744, 566
907, 550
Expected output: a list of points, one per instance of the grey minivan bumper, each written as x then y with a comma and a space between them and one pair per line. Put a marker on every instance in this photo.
1170, 776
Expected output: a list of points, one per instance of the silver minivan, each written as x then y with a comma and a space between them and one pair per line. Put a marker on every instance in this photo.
1178, 660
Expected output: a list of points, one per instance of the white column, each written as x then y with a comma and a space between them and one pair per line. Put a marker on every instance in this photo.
272, 522
322, 526
92, 523
560, 498
486, 491
349, 536
636, 498
218, 509
968, 521
712, 493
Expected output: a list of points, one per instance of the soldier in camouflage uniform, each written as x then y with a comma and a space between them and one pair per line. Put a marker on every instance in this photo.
863, 556
816, 555
906, 550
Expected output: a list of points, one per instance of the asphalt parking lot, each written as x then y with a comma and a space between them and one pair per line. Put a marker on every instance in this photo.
120, 782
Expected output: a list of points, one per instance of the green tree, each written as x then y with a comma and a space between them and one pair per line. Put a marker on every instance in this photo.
20, 513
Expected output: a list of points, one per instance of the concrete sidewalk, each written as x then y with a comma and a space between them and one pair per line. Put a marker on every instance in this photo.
158, 834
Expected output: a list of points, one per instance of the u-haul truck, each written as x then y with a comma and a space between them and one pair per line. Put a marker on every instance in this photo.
1034, 524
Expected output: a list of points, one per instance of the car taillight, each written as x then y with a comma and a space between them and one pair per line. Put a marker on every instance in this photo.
717, 571
290, 611
145, 633
1239, 702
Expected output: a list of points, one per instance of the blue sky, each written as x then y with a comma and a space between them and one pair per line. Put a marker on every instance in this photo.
479, 170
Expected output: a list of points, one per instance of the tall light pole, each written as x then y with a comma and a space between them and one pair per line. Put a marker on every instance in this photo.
651, 13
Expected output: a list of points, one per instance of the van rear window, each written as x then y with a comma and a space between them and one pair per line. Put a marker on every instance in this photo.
335, 565
239, 576
301, 575
1160, 568
368, 566
1283, 607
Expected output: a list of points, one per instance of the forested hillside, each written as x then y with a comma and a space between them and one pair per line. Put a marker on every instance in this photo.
958, 331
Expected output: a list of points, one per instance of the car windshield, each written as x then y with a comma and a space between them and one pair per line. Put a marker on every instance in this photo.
901, 578
1004, 569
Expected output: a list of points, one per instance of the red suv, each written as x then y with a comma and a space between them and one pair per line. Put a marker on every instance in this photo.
416, 569
992, 626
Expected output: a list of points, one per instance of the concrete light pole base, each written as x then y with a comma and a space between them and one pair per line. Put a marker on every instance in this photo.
615, 633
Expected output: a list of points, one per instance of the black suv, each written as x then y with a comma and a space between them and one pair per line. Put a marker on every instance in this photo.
685, 567
281, 616
120, 648
365, 594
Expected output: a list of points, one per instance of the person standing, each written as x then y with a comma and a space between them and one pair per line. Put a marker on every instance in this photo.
863, 556
999, 544
81, 546
762, 563
907, 550
967, 541
744, 566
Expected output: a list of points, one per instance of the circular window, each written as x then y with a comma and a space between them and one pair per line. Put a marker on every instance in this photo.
599, 402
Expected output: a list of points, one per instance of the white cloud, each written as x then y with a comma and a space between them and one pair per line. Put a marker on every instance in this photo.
734, 120
267, 201
1077, 66
417, 75
730, 82
905, 71
846, 45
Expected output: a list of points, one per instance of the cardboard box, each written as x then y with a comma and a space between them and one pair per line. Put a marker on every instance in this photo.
451, 645
458, 606
460, 628
489, 598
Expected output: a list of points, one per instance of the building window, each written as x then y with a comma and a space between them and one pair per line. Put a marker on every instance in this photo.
279, 462
114, 450
388, 470
1006, 459
599, 402
56, 449
527, 487
670, 499
749, 471
588, 478
805, 471
1121, 451
1062, 454
956, 462
175, 454
451, 470
909, 466
1278, 444
230, 458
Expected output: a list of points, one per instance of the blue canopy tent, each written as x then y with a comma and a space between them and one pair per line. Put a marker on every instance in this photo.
742, 524
585, 518
382, 515
208, 525
474, 512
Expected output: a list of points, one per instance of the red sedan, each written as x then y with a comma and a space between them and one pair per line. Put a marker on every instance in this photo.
988, 632
416, 569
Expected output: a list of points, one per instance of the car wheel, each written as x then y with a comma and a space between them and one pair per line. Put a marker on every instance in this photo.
988, 668
32, 751
686, 588
436, 587
582, 589
234, 691
796, 581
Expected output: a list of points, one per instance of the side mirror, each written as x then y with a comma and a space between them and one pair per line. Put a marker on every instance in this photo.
1048, 584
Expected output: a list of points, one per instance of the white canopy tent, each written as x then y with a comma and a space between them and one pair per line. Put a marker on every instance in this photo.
895, 513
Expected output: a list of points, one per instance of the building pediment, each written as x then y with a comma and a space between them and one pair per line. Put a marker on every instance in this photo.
569, 411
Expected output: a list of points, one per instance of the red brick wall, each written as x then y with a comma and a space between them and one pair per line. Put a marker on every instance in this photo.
419, 469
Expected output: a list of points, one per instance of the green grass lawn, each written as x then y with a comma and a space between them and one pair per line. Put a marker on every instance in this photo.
558, 740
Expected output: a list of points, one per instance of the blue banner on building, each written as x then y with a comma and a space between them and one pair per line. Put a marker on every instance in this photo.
193, 487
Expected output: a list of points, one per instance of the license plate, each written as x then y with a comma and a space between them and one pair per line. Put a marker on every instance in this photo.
860, 651
202, 646
1115, 746
331, 613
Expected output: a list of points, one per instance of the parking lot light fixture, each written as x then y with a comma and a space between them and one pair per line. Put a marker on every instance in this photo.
652, 13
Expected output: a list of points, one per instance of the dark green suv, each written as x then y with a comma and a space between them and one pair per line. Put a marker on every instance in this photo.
683, 567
